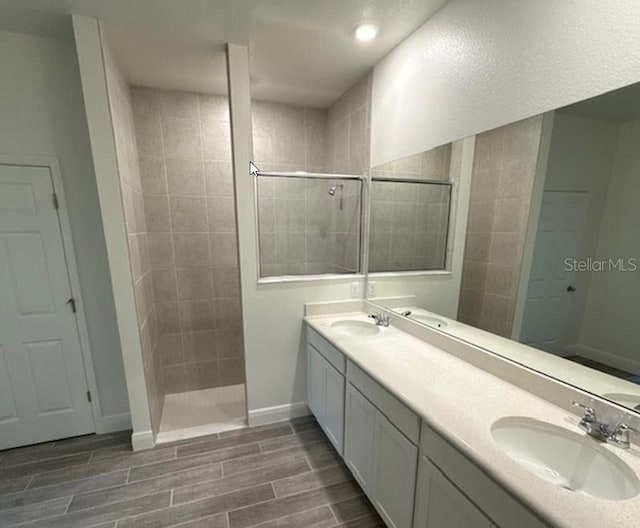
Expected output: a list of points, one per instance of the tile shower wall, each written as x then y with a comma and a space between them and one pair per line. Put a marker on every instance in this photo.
349, 130
409, 221
185, 169
303, 229
501, 185
136, 226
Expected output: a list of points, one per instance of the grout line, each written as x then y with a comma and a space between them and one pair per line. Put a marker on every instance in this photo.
128, 476
333, 514
171, 498
31, 479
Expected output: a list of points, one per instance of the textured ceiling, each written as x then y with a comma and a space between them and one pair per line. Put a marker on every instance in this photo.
302, 51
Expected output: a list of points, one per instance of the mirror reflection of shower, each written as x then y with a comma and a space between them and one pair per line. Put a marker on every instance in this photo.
332, 192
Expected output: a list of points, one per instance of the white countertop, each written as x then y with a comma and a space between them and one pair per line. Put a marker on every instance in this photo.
461, 402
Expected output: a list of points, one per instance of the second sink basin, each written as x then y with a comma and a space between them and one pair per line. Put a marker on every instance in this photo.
355, 328
428, 320
628, 400
569, 460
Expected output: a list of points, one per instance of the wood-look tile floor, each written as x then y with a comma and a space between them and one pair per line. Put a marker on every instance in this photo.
282, 475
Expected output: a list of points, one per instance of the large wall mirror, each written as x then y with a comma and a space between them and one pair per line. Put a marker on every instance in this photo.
549, 273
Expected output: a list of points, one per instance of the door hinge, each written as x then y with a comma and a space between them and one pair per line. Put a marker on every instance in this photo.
56, 205
72, 302
89, 396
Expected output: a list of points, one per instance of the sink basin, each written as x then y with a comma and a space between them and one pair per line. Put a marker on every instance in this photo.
428, 320
570, 460
628, 400
355, 328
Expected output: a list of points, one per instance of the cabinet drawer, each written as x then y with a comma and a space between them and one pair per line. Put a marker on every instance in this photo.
397, 412
495, 502
330, 353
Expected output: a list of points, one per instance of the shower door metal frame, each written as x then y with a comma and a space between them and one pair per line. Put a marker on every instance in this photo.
445, 183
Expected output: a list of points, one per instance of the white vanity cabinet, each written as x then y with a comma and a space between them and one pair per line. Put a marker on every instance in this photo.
382, 459
414, 477
326, 387
452, 492
439, 504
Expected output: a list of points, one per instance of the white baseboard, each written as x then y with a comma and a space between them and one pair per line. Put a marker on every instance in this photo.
621, 363
279, 413
142, 440
113, 423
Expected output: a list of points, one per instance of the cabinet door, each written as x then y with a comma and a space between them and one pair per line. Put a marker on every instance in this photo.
360, 417
439, 504
334, 406
315, 383
394, 474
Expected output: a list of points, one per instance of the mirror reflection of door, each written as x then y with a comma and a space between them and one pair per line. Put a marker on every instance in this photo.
551, 292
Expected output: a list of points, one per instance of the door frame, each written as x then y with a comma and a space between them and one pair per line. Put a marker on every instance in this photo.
51, 163
537, 193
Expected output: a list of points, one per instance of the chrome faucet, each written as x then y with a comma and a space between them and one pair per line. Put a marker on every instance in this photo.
612, 434
380, 319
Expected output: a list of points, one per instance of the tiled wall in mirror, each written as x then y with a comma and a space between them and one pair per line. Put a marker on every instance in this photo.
551, 253
409, 224
411, 202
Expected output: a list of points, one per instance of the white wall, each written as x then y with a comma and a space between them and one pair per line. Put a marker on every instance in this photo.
103, 149
475, 66
610, 323
272, 313
41, 114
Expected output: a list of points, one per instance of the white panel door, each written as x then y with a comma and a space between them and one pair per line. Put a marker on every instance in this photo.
394, 474
560, 230
43, 386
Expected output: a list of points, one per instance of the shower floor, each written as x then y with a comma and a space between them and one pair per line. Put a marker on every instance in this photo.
202, 412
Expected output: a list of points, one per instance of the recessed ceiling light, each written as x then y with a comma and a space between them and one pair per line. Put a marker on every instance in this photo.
366, 32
